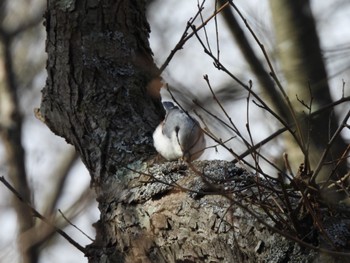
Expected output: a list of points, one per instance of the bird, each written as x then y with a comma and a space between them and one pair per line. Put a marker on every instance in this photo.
178, 136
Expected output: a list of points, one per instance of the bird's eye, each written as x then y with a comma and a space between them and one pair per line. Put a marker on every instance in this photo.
177, 128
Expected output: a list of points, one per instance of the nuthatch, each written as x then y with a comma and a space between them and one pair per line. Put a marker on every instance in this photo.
178, 135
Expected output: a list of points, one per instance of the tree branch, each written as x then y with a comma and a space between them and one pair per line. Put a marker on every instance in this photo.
38, 215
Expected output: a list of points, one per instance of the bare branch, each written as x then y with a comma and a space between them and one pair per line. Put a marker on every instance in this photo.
69, 222
38, 215
185, 36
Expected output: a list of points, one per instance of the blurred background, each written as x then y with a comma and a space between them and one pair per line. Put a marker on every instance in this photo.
52, 172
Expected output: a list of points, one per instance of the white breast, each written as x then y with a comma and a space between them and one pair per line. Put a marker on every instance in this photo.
169, 148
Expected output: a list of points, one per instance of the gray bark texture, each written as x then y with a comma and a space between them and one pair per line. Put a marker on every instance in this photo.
97, 98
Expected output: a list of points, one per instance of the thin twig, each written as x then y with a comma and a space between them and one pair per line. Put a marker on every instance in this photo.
217, 32
329, 144
185, 36
300, 140
202, 20
282, 130
41, 217
219, 66
275, 229
77, 228
235, 129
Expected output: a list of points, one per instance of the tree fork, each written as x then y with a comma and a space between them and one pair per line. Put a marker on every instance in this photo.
97, 97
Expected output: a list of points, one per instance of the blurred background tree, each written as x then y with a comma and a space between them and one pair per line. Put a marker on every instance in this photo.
34, 161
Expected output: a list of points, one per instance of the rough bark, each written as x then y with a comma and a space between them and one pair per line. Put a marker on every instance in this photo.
167, 213
299, 50
96, 94
96, 98
104, 61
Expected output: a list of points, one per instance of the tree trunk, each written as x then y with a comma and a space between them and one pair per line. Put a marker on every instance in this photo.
99, 66
301, 59
98, 69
